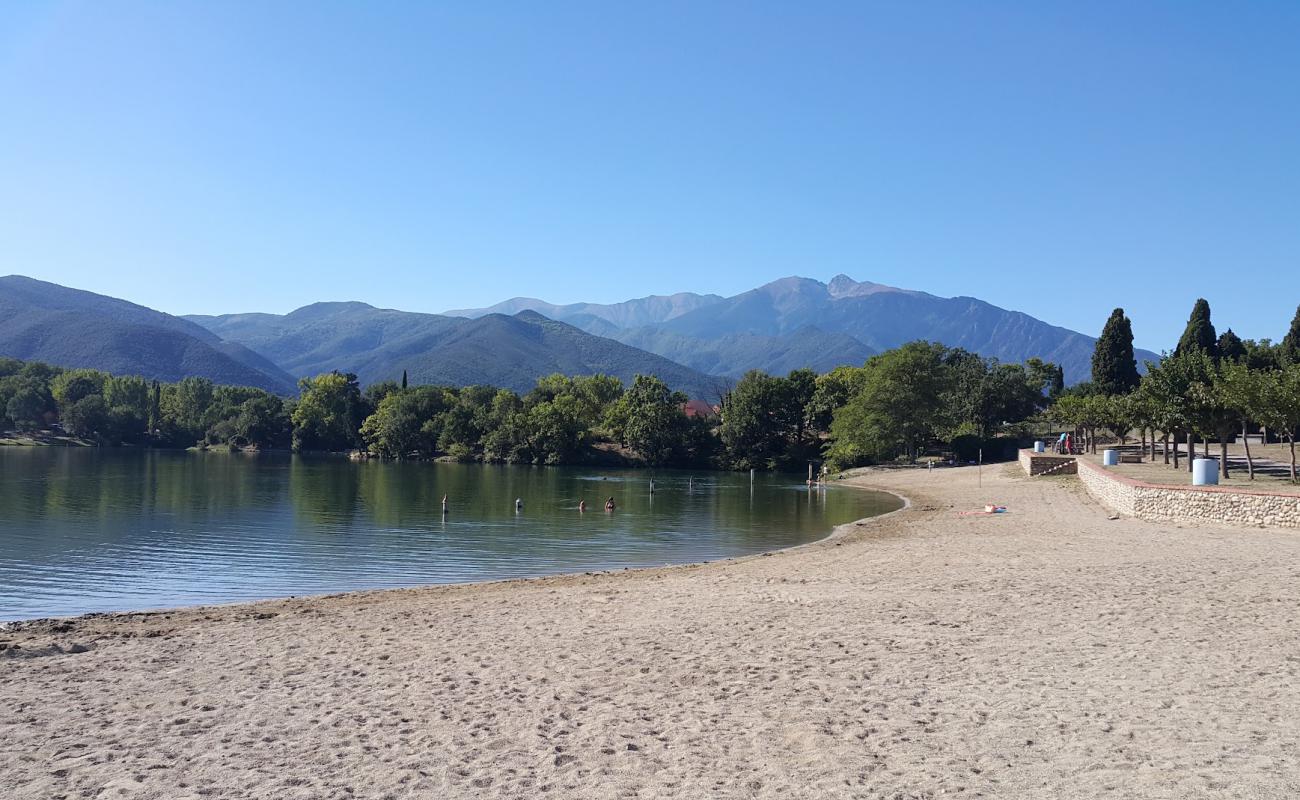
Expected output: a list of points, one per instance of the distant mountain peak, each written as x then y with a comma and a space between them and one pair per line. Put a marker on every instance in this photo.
844, 286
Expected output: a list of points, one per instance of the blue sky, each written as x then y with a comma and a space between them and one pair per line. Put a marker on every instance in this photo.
1059, 159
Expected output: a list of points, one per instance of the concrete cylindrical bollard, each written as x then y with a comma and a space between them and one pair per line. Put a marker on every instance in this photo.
1110, 458
1205, 472
1040, 447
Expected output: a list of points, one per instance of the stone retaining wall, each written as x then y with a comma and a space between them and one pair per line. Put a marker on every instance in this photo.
1159, 503
1038, 463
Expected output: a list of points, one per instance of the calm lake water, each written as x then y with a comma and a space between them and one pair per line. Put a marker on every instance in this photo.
106, 530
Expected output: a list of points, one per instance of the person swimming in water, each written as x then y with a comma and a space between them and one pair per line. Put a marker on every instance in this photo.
519, 504
609, 504
444, 504
582, 506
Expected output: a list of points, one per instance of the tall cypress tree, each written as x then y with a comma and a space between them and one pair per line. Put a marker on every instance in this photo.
1290, 347
1199, 333
1114, 367
403, 379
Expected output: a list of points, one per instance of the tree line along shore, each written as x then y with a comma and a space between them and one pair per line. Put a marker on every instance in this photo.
916, 400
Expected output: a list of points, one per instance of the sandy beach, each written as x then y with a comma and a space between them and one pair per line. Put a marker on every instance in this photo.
1047, 652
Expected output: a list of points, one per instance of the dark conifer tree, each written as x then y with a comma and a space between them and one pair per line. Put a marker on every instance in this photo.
1114, 367
1231, 348
403, 379
1199, 333
1290, 347
1058, 383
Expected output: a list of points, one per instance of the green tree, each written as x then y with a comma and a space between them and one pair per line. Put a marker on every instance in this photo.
29, 403
1239, 390
87, 417
1164, 393
657, 427
899, 409
401, 425
328, 413
1278, 405
73, 385
756, 421
1114, 368
1199, 333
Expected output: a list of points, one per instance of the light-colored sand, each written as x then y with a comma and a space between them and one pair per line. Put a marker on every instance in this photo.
1048, 652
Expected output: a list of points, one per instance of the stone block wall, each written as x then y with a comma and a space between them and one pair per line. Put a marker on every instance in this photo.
1156, 502
1038, 463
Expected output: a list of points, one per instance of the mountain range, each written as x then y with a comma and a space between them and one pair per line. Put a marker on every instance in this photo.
796, 322
510, 351
683, 338
42, 321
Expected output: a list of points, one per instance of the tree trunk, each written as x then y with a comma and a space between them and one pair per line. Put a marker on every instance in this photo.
1165, 449
1223, 453
1245, 441
1175, 451
1291, 439
1191, 450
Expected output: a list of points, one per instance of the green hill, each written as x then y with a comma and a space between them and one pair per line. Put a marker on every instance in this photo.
42, 321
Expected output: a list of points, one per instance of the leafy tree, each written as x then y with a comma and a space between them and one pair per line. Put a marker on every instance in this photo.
1048, 378
756, 421
1289, 348
1262, 355
1239, 391
985, 393
506, 436
1199, 333
376, 392
400, 425
28, 404
657, 427
129, 400
1114, 368
185, 409
1278, 405
834, 390
1164, 392
73, 385
554, 429
899, 409
598, 392
328, 414
87, 417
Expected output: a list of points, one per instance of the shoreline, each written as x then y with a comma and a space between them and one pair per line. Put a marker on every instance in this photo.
1046, 651
841, 530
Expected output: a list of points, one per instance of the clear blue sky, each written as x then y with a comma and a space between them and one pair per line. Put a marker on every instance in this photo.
1057, 158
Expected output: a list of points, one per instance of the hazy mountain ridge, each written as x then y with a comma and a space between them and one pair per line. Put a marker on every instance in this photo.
627, 314
42, 321
797, 321
496, 349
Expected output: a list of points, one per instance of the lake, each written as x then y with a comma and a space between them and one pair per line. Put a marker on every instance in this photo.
85, 529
